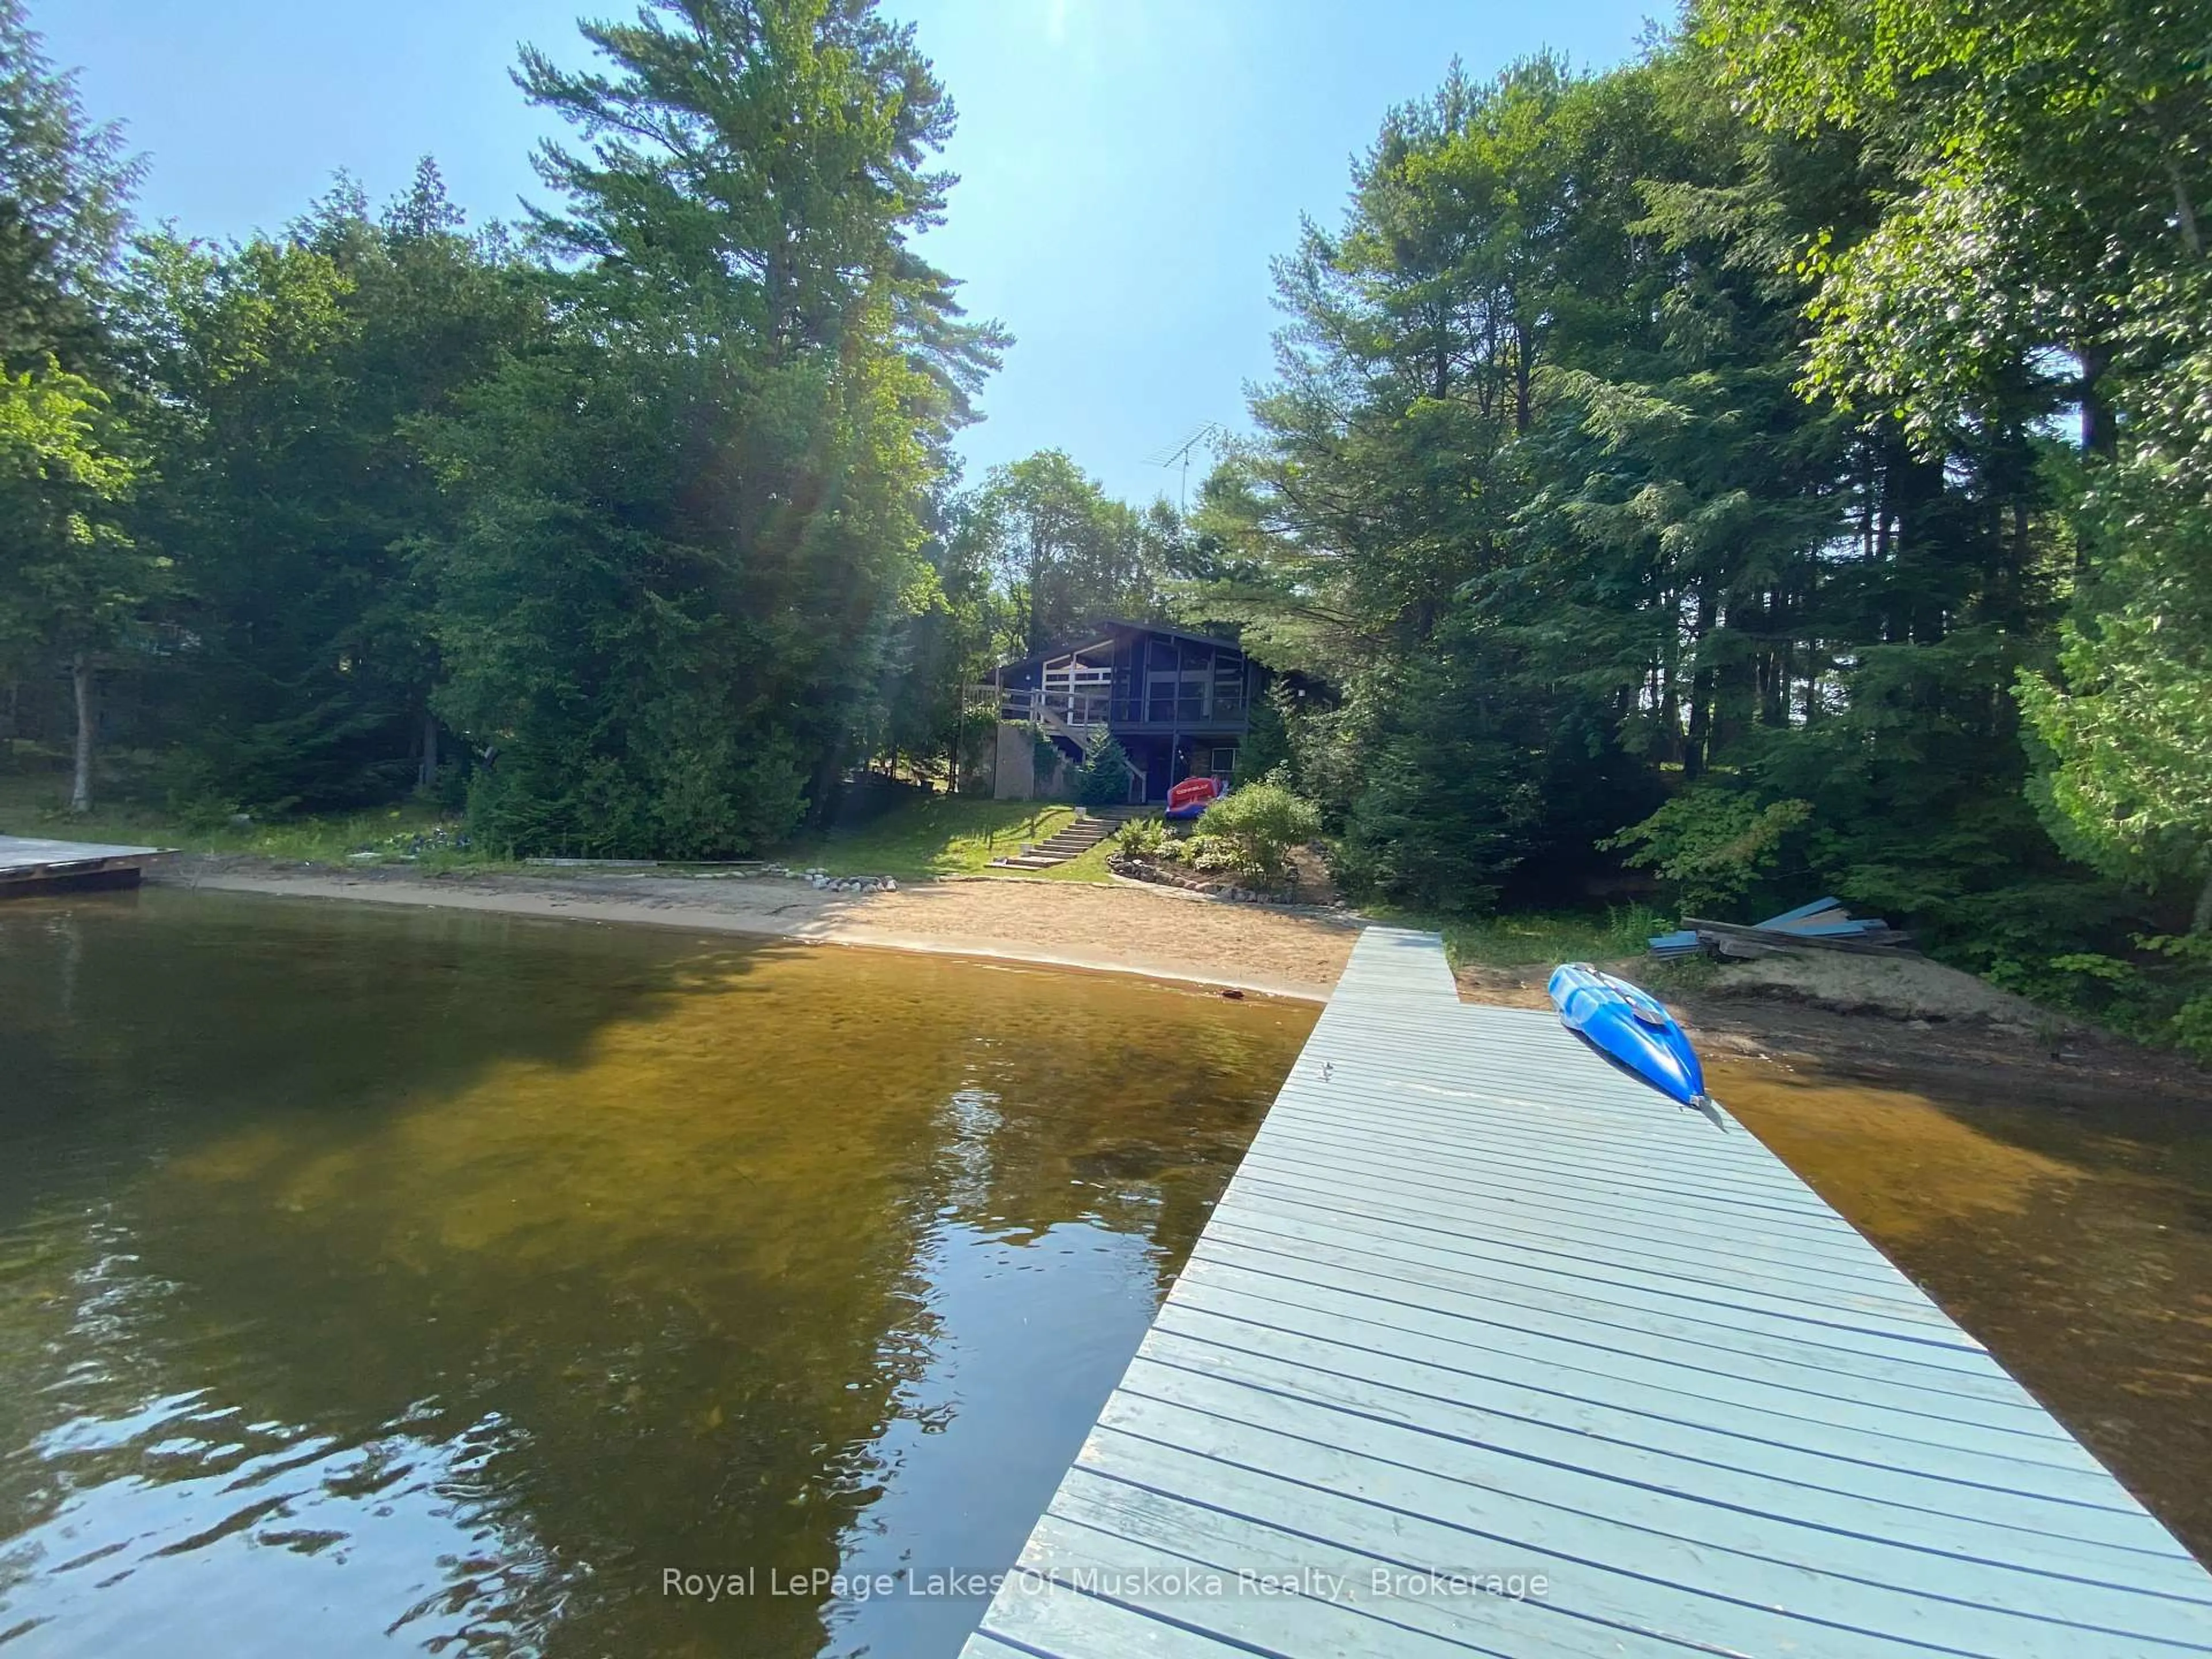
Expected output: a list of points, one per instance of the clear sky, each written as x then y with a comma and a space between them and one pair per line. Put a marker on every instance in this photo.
1128, 166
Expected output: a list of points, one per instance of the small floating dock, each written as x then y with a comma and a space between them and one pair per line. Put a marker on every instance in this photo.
29, 866
1489, 1349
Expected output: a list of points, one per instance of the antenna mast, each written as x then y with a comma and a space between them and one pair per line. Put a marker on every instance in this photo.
1179, 455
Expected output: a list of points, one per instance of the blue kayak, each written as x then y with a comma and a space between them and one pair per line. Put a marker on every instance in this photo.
1629, 1027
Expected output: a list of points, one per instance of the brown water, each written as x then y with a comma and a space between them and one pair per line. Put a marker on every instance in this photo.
2075, 1240
374, 1281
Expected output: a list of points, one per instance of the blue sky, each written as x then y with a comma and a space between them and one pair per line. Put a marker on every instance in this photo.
1128, 166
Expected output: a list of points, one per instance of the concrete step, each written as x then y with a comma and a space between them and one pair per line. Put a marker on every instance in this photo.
1072, 840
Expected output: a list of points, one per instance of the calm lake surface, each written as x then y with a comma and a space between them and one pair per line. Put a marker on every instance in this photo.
375, 1281
2071, 1233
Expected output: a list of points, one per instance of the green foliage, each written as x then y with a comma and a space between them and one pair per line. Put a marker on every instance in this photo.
1712, 844
693, 521
2129, 721
944, 648
1577, 523
294, 375
1259, 825
1544, 939
2189, 984
1144, 838
34, 801
73, 581
2191, 1027
1215, 855
1265, 751
64, 199
1442, 780
1103, 779
1662, 463
2037, 242
1064, 554
2047, 167
1045, 757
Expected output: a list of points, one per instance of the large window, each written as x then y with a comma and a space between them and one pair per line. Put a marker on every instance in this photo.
1228, 686
1177, 695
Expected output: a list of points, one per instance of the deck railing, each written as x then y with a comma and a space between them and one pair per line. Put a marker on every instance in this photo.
1081, 710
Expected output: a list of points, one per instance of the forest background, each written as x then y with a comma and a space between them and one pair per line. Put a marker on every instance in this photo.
1783, 462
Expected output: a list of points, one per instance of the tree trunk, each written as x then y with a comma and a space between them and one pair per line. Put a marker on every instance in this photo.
1524, 376
427, 774
1701, 690
2100, 434
80, 782
2184, 210
2201, 922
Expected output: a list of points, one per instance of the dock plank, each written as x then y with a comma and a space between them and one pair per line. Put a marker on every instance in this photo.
1476, 1301
30, 864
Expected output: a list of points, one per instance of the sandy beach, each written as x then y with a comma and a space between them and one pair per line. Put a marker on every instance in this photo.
1122, 928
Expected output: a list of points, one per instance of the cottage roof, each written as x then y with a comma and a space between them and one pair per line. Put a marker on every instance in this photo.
1105, 628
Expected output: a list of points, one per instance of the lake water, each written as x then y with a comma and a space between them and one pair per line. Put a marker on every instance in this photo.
2070, 1231
375, 1281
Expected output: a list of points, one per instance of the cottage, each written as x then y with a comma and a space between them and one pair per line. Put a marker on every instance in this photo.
1179, 703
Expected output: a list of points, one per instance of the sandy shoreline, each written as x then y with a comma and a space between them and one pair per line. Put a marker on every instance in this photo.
1117, 929
1165, 934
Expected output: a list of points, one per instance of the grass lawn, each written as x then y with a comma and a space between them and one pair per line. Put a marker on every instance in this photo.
1553, 937
35, 802
1083, 866
940, 837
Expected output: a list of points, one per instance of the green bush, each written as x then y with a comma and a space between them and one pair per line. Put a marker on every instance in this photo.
1711, 844
1145, 838
1218, 855
1260, 824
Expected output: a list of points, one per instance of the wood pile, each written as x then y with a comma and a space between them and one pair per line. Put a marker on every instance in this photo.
1822, 925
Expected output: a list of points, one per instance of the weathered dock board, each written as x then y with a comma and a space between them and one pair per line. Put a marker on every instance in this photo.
1490, 1349
29, 866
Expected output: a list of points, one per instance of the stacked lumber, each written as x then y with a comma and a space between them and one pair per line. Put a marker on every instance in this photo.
1822, 925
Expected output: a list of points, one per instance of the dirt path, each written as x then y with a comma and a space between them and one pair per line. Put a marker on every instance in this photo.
1120, 928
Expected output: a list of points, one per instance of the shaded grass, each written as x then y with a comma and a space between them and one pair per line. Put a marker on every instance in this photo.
1550, 937
36, 803
1089, 867
939, 836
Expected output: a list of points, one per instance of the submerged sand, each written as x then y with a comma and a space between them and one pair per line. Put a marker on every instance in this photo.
1122, 928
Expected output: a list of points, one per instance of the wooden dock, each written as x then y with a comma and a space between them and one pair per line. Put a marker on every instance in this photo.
1490, 1349
29, 865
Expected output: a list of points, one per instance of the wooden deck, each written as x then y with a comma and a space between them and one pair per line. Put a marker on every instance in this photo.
29, 866
1479, 1307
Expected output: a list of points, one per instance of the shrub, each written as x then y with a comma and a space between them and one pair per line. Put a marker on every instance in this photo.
1218, 855
1711, 845
1260, 823
1147, 838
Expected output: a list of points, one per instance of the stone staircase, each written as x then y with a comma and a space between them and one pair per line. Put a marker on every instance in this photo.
1089, 828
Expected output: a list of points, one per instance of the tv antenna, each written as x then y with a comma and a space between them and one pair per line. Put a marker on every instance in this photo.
1179, 455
